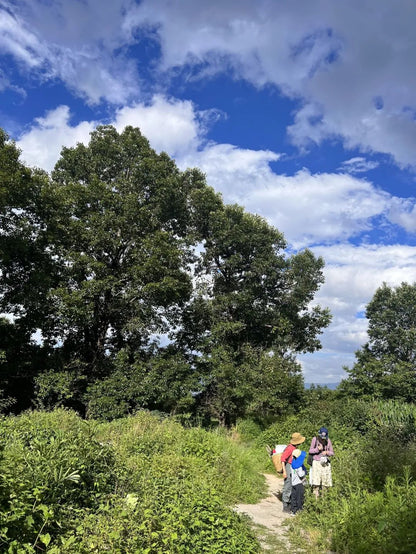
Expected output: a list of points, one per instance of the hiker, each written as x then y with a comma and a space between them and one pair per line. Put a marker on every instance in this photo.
286, 459
321, 450
298, 480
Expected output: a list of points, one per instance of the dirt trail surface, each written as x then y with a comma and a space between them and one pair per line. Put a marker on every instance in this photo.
269, 511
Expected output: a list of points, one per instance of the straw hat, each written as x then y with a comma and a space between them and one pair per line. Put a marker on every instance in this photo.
297, 439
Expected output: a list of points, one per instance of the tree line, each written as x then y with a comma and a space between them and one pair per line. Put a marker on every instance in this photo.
126, 283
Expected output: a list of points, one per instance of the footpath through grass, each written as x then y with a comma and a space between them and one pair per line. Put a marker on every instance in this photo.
148, 485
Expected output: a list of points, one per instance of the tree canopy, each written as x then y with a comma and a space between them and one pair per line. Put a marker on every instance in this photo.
385, 366
129, 283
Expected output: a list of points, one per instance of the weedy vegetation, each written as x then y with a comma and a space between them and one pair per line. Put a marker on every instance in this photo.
139, 484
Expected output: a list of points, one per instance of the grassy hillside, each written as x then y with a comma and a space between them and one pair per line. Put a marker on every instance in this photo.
146, 484
139, 484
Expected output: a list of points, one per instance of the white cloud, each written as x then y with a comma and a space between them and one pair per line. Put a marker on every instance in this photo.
18, 41
354, 71
42, 143
308, 208
403, 213
234, 171
319, 208
170, 125
353, 273
75, 41
358, 165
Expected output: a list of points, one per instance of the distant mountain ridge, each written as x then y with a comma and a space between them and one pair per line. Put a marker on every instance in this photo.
331, 386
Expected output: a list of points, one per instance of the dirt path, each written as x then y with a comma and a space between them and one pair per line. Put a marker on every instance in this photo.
268, 514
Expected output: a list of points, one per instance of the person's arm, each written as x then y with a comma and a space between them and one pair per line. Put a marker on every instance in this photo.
329, 450
285, 458
314, 447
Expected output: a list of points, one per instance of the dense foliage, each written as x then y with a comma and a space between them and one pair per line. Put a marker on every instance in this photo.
385, 367
147, 484
127, 284
130, 284
372, 504
137, 485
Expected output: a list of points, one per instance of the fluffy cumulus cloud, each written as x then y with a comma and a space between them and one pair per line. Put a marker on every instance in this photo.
351, 69
170, 125
319, 208
77, 42
233, 171
42, 143
309, 208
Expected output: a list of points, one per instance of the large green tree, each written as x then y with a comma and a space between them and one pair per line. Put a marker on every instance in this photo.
251, 311
118, 247
26, 272
94, 258
122, 244
385, 366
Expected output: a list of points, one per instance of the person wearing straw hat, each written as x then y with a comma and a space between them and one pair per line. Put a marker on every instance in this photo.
286, 458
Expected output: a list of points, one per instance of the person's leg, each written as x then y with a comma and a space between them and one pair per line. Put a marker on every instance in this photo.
296, 498
316, 477
301, 497
287, 488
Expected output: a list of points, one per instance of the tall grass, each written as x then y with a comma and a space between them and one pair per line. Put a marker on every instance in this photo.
371, 507
141, 484
380, 523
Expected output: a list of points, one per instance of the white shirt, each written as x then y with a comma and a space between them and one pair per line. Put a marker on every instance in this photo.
298, 475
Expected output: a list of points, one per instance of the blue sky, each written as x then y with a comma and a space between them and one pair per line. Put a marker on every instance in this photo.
303, 112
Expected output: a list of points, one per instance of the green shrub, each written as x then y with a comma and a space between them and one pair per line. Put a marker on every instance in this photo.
380, 523
378, 461
281, 431
138, 484
248, 430
210, 456
51, 466
169, 524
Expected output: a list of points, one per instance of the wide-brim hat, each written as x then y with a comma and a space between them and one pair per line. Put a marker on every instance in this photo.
297, 438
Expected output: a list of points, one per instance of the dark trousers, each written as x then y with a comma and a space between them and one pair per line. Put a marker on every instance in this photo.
297, 497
